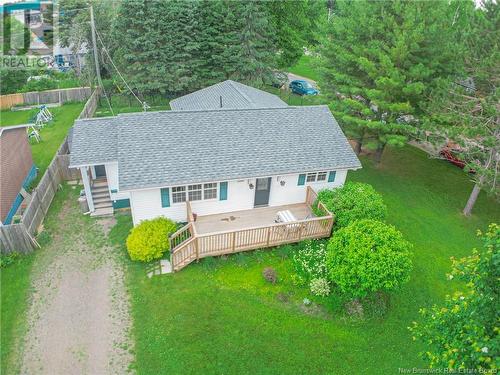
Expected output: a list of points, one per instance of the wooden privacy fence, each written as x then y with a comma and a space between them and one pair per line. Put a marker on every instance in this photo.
7, 101
21, 236
187, 245
76, 94
91, 105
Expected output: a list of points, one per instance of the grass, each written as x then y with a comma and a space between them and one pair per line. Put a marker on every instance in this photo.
52, 135
305, 67
15, 286
121, 104
220, 316
16, 289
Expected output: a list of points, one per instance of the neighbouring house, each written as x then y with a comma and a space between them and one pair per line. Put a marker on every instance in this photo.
242, 170
227, 95
16, 169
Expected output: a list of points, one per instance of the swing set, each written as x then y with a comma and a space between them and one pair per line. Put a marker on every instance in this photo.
38, 122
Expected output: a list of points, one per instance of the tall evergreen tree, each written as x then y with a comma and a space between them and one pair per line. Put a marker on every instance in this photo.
254, 51
381, 59
156, 45
470, 115
290, 24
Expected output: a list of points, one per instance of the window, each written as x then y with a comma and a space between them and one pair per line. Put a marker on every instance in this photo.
178, 194
321, 176
210, 191
316, 177
194, 192
311, 177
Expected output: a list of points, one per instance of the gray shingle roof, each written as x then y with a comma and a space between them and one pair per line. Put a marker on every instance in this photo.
234, 95
179, 147
94, 141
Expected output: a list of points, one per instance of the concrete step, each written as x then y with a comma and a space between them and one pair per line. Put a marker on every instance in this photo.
107, 211
100, 194
99, 188
101, 199
103, 204
100, 182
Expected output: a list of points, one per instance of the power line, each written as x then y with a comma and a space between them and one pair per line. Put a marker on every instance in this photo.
119, 74
96, 58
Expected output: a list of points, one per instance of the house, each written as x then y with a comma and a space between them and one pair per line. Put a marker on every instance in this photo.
242, 178
227, 95
16, 169
220, 160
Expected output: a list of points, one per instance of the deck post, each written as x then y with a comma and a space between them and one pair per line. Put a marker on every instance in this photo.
268, 236
197, 249
233, 242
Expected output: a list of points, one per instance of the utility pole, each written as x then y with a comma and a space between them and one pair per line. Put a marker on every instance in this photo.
94, 44
96, 58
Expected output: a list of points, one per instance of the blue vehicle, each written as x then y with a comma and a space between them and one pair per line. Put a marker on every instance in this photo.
302, 87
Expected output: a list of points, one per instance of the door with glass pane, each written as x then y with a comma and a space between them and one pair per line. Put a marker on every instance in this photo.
262, 190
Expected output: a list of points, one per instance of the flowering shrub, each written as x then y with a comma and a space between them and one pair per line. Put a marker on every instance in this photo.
149, 240
354, 201
368, 256
320, 287
310, 262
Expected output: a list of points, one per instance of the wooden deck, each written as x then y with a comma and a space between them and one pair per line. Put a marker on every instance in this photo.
232, 232
256, 217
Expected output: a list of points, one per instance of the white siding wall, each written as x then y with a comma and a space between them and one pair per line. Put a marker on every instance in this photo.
146, 204
112, 177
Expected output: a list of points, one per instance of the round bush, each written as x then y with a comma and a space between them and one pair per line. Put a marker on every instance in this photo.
149, 239
353, 201
368, 256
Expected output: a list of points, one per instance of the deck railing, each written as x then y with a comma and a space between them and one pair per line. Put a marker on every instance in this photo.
187, 245
182, 235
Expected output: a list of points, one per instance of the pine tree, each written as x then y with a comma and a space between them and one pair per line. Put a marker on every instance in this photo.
290, 24
380, 62
470, 116
214, 38
254, 51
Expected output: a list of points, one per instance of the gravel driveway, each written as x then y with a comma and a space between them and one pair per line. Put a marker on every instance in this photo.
78, 320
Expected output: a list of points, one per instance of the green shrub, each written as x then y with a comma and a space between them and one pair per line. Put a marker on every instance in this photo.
7, 259
368, 256
309, 262
149, 240
353, 201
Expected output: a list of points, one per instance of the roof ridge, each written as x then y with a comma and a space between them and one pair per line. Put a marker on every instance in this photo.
232, 83
217, 110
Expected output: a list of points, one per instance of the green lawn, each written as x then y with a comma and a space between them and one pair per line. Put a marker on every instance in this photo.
15, 285
52, 135
305, 67
220, 316
121, 104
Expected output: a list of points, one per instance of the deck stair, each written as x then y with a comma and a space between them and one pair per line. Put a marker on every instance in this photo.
102, 200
